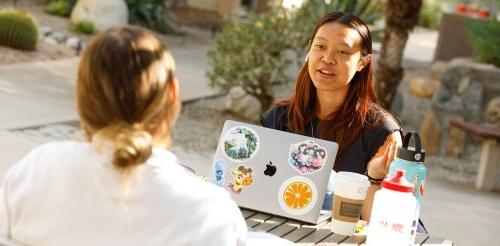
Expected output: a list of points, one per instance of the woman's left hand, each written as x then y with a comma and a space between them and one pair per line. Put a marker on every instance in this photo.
378, 166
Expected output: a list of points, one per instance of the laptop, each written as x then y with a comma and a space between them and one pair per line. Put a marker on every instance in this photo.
273, 171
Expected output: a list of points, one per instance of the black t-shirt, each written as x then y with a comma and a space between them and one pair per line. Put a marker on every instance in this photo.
357, 155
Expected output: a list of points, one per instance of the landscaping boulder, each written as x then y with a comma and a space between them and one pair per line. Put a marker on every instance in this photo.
493, 111
242, 104
430, 133
423, 86
103, 14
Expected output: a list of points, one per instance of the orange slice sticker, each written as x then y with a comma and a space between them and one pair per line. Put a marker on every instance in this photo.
297, 195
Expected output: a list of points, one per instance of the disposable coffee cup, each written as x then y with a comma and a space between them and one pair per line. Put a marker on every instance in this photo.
348, 198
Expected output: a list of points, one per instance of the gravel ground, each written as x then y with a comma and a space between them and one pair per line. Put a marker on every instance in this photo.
190, 37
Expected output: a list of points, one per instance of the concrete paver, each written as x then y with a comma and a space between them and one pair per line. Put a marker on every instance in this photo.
460, 213
39, 93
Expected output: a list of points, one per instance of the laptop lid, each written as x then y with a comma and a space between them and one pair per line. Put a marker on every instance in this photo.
273, 171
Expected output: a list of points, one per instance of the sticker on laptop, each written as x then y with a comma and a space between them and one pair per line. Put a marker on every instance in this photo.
270, 169
242, 178
307, 157
219, 172
241, 143
297, 195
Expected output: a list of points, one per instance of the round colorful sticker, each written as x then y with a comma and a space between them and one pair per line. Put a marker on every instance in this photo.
297, 195
241, 143
307, 157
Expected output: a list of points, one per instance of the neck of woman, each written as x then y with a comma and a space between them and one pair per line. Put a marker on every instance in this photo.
329, 102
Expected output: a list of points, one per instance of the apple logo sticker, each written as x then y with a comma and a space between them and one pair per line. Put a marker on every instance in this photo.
270, 169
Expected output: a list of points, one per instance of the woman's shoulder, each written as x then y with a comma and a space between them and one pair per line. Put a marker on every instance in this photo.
273, 117
48, 153
49, 160
382, 127
383, 121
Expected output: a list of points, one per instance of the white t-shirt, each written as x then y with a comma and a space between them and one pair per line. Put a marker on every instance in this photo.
67, 193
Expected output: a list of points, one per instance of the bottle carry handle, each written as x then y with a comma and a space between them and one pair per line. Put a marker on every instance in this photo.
418, 143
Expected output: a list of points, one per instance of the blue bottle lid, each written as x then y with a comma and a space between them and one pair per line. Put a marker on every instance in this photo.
413, 154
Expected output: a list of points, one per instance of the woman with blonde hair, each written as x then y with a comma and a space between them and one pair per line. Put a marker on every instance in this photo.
122, 187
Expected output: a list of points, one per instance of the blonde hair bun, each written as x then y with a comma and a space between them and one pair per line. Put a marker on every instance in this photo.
131, 148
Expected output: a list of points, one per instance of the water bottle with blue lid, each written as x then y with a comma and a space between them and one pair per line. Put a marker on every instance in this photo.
411, 160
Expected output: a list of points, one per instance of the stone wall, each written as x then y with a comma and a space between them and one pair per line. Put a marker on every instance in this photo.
468, 91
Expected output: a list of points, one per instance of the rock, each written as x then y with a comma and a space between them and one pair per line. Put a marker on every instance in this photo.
439, 67
423, 87
455, 143
239, 103
493, 111
45, 31
73, 42
59, 37
466, 87
430, 133
50, 40
103, 14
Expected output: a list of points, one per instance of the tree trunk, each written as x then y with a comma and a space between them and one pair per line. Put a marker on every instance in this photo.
401, 17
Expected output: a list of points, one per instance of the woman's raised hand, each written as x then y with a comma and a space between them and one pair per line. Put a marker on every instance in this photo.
378, 166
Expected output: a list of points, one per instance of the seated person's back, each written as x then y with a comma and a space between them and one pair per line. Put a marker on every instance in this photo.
122, 187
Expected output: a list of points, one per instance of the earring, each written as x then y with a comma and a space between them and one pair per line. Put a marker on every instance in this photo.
307, 57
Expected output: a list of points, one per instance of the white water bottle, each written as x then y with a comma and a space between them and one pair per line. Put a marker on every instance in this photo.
392, 213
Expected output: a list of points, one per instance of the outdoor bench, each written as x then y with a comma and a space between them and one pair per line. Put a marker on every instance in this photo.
490, 153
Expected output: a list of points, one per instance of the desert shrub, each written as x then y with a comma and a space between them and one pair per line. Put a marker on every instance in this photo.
86, 27
60, 7
311, 11
251, 55
151, 14
430, 14
484, 37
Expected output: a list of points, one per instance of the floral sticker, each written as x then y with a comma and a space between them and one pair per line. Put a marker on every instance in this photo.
219, 172
242, 176
241, 143
307, 157
297, 195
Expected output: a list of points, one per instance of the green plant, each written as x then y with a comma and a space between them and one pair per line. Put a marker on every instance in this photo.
60, 7
251, 55
311, 11
430, 14
151, 14
484, 37
86, 27
18, 29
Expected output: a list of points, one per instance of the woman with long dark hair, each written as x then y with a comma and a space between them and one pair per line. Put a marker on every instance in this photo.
335, 100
